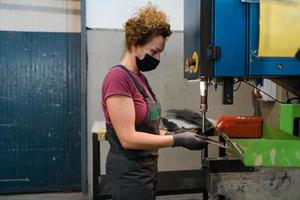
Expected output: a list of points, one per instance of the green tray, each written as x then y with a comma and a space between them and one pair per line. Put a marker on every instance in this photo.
275, 149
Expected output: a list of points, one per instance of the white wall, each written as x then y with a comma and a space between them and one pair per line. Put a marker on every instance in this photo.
40, 15
113, 14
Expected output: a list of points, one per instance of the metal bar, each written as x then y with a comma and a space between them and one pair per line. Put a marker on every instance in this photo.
204, 138
83, 92
222, 151
203, 109
96, 166
228, 91
205, 195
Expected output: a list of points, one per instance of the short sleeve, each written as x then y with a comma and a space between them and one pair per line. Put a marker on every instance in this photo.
116, 82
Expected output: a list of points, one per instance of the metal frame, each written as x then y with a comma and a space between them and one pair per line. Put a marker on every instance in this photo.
201, 13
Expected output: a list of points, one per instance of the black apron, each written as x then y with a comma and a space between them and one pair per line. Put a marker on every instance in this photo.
133, 173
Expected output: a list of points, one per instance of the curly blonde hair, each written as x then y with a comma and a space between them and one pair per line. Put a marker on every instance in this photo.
148, 23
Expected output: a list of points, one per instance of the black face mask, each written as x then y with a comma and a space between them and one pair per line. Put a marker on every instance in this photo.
148, 63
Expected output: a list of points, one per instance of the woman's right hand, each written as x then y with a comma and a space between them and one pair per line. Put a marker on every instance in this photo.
189, 140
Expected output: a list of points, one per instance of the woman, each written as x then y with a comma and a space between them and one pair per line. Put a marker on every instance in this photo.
132, 111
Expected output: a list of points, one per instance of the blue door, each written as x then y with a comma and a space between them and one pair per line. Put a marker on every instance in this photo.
39, 112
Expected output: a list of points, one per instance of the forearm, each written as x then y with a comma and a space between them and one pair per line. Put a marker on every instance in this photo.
146, 141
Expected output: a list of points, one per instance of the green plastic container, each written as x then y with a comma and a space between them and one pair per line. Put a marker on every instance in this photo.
275, 149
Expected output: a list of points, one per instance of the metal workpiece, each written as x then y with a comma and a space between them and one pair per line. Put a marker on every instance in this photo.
263, 183
203, 110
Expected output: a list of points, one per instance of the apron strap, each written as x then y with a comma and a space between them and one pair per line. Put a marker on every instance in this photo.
139, 87
148, 86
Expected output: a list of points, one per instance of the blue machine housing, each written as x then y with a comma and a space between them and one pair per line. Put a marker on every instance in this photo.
266, 66
229, 46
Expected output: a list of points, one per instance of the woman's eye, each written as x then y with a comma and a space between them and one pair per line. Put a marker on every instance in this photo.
153, 52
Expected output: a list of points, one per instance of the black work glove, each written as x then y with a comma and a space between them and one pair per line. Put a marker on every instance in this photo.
189, 140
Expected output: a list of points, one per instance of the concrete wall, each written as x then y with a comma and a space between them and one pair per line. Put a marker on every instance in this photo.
271, 110
105, 48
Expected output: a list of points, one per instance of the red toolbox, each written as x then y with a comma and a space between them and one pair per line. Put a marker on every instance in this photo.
240, 126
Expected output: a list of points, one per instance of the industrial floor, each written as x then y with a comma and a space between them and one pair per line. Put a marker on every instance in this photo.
80, 196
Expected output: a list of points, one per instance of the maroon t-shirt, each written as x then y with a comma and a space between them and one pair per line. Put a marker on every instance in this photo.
118, 82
